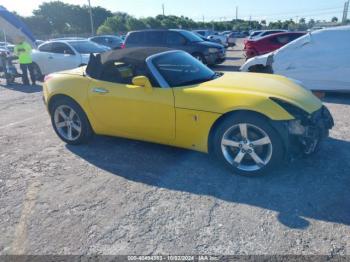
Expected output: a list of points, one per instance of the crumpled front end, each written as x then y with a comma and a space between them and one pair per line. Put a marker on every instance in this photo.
307, 132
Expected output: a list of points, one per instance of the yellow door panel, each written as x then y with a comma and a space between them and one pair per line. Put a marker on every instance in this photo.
193, 127
132, 111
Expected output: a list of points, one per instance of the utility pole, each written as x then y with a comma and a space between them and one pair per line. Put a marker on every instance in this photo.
345, 12
91, 20
203, 19
163, 9
236, 12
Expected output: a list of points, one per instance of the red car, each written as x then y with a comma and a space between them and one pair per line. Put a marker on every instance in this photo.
267, 44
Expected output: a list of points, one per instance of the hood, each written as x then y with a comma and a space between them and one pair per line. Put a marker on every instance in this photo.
209, 44
257, 60
266, 86
13, 27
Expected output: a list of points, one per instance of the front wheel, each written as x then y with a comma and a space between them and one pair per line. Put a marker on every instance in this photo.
37, 72
248, 144
70, 122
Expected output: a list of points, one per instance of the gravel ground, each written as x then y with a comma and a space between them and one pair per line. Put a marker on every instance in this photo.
116, 196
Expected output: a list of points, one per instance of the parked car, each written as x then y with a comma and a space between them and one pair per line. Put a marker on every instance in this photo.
10, 47
319, 60
58, 55
251, 122
232, 38
207, 52
214, 36
111, 41
262, 33
39, 42
269, 43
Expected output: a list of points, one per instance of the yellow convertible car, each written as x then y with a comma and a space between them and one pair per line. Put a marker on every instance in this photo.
249, 121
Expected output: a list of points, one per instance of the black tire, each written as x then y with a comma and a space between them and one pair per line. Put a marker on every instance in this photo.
275, 151
9, 79
200, 57
86, 130
260, 69
37, 72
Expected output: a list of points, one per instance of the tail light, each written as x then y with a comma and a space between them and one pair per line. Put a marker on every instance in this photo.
122, 46
248, 44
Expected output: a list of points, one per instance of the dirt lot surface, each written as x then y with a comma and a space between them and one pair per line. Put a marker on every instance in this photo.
116, 196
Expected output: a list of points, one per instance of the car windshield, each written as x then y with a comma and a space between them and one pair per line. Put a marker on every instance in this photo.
181, 69
87, 47
192, 37
255, 33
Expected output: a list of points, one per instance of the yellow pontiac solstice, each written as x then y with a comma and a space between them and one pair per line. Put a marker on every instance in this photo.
249, 121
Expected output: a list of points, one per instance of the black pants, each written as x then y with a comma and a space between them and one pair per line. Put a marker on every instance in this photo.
25, 68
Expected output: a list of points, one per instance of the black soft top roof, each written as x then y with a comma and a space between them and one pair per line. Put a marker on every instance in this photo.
132, 56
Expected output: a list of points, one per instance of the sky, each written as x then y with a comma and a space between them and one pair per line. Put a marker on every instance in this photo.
270, 10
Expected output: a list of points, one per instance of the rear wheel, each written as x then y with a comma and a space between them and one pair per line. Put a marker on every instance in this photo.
247, 144
37, 72
10, 79
70, 122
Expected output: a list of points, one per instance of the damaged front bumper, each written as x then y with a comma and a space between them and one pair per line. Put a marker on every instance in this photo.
305, 135
302, 136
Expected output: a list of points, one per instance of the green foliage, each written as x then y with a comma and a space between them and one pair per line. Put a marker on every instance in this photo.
334, 19
57, 18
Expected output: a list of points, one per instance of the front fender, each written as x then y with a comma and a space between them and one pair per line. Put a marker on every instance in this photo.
222, 102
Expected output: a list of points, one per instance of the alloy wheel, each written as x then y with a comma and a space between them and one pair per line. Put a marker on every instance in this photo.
67, 123
247, 147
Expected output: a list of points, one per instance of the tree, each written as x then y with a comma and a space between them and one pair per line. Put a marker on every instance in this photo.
152, 22
117, 23
134, 24
311, 23
334, 19
104, 30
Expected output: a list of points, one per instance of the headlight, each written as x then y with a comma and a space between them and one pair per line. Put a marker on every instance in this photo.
213, 50
293, 110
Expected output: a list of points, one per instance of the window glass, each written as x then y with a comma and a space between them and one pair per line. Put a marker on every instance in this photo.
283, 39
135, 38
87, 47
174, 38
192, 37
153, 38
99, 40
61, 48
45, 47
181, 69
118, 72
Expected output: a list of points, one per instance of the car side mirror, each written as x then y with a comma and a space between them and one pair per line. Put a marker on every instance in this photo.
142, 81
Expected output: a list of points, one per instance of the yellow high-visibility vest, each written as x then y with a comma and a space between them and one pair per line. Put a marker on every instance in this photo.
24, 53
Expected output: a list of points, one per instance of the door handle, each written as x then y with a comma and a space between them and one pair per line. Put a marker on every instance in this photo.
100, 90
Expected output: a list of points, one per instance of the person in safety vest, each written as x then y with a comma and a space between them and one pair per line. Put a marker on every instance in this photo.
24, 52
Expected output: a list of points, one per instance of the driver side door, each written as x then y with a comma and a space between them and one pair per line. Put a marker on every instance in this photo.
126, 110
62, 57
